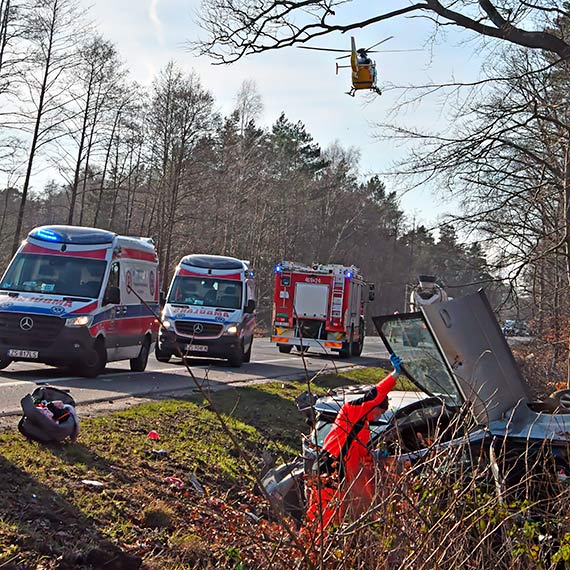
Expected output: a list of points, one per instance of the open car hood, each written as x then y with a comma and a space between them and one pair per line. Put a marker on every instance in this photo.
456, 350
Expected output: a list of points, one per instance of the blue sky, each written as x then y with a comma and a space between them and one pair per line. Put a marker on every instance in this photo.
303, 84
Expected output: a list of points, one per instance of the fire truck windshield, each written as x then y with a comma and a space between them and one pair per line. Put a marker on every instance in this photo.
207, 292
55, 275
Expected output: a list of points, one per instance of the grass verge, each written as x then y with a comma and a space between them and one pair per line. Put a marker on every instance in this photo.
116, 499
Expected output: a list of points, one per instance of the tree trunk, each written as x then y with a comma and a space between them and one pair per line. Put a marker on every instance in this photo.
37, 123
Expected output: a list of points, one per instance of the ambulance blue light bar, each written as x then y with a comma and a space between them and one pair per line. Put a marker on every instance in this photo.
72, 235
278, 268
46, 235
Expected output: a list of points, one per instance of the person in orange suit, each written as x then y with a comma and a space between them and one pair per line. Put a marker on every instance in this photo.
345, 481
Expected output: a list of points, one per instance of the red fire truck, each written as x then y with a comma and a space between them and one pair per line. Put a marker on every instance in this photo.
320, 306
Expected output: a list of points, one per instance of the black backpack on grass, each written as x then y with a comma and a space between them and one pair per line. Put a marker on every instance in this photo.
36, 423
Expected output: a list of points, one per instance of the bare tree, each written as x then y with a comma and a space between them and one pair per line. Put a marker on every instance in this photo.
52, 36
239, 28
180, 115
97, 77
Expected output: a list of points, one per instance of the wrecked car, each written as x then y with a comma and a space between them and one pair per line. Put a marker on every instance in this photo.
471, 397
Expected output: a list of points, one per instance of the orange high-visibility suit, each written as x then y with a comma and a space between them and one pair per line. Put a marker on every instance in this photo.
345, 460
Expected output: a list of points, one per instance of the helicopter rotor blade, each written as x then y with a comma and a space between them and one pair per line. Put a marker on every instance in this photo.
343, 56
324, 49
393, 50
380, 42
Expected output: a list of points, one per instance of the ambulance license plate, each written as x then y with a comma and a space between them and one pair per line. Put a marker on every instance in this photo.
197, 348
15, 353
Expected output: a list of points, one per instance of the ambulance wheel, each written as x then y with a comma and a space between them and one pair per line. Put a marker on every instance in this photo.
236, 358
4, 364
96, 361
139, 363
161, 356
285, 348
247, 355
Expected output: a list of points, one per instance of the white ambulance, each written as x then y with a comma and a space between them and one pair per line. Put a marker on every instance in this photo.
80, 297
209, 311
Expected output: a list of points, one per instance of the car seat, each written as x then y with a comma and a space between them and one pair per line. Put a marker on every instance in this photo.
210, 297
228, 299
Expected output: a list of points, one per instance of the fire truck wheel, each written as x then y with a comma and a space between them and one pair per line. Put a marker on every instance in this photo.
138, 364
247, 355
347, 346
4, 363
237, 357
285, 348
357, 347
345, 351
96, 361
161, 356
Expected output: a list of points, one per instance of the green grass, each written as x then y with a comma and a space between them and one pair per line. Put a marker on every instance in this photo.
45, 507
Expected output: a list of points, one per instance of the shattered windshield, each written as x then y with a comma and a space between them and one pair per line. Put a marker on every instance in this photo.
408, 337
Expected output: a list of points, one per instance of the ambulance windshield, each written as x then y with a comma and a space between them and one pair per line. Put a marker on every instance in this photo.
207, 292
55, 275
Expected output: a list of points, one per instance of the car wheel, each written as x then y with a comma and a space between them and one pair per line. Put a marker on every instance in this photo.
138, 364
96, 361
160, 355
563, 398
247, 355
4, 363
237, 357
285, 348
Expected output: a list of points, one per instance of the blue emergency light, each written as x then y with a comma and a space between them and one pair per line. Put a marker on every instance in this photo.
348, 274
278, 268
72, 235
46, 235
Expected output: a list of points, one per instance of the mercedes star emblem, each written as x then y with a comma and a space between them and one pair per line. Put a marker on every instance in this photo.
198, 328
26, 323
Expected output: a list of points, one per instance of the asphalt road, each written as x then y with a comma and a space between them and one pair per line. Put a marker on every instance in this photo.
118, 382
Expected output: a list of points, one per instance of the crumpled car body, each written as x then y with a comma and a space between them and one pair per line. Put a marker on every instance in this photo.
471, 393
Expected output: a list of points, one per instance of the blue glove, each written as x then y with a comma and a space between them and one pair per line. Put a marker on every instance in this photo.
396, 363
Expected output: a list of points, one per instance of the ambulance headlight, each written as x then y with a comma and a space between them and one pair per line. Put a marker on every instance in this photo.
232, 329
83, 321
166, 324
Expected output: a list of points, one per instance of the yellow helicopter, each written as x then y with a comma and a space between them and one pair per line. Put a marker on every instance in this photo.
363, 68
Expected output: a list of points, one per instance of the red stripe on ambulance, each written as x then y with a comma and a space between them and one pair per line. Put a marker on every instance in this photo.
88, 254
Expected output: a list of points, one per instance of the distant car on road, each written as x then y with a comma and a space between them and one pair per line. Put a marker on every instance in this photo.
512, 327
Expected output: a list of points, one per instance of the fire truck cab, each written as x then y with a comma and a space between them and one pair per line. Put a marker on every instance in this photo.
320, 307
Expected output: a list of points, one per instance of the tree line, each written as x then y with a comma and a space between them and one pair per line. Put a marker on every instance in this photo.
160, 161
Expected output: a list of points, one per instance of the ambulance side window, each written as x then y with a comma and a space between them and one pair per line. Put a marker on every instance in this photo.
113, 283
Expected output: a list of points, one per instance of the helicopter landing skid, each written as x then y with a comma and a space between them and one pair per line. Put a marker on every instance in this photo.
352, 92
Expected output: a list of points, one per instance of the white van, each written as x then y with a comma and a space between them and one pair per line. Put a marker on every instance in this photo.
209, 311
80, 297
